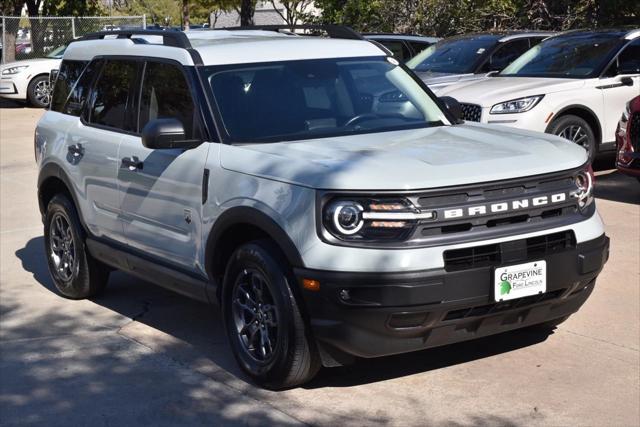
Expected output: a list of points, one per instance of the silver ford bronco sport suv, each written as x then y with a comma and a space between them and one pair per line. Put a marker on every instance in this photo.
312, 187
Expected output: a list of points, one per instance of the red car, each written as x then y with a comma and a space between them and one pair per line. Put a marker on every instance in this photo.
628, 140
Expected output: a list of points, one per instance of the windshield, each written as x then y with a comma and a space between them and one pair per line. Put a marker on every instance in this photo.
57, 52
291, 100
573, 57
458, 56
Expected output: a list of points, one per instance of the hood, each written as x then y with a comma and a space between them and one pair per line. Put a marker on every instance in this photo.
407, 160
490, 90
30, 62
437, 82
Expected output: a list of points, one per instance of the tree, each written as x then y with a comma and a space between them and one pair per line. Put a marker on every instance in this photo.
10, 8
294, 10
246, 10
185, 14
362, 15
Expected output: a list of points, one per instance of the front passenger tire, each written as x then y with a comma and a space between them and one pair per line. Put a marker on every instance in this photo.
39, 91
268, 336
576, 130
75, 273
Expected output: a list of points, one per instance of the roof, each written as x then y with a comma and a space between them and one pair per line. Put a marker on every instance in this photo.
502, 36
286, 48
219, 47
628, 33
407, 37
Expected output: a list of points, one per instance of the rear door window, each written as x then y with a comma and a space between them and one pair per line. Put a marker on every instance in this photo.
506, 54
113, 93
67, 76
398, 48
419, 46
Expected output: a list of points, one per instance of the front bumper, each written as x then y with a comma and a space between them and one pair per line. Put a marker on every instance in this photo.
7, 87
390, 313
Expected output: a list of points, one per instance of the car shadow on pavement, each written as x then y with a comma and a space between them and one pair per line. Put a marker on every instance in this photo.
8, 103
200, 326
617, 187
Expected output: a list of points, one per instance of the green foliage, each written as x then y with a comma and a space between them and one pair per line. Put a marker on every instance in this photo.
449, 17
362, 15
72, 8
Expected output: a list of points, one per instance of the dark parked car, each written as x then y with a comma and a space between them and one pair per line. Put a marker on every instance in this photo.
628, 140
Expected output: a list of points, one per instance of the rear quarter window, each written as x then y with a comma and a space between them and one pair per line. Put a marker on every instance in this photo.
68, 75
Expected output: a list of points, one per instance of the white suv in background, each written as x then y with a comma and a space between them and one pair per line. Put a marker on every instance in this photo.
28, 80
574, 85
471, 56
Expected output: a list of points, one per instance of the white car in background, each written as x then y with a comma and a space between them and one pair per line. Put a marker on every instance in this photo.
28, 80
574, 85
471, 56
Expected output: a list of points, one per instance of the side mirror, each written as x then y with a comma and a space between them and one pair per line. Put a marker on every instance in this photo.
626, 81
164, 134
453, 106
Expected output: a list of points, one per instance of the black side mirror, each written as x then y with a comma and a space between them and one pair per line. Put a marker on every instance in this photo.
453, 106
626, 81
164, 134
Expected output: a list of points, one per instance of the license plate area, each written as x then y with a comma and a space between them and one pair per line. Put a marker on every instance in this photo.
520, 280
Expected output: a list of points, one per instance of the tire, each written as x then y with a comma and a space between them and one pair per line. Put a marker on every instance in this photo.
38, 91
258, 302
75, 273
577, 130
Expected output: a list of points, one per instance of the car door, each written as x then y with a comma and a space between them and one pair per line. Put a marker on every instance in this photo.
93, 141
620, 83
161, 190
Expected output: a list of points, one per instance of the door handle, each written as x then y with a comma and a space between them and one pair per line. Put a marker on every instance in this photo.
76, 151
132, 163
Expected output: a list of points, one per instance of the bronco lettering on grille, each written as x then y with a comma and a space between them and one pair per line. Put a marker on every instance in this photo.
504, 207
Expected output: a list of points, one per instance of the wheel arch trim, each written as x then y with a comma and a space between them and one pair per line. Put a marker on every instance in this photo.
252, 216
54, 171
587, 110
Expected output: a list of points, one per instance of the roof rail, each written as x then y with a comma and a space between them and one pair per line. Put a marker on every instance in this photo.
169, 38
333, 31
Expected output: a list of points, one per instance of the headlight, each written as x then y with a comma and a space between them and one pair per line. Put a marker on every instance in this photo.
519, 105
13, 70
371, 219
585, 181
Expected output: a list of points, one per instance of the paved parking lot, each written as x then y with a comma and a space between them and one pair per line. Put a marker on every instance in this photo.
139, 355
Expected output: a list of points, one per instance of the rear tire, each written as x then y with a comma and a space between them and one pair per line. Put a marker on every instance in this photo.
75, 273
39, 92
576, 130
268, 336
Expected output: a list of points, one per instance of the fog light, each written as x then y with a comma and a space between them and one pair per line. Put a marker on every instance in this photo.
344, 295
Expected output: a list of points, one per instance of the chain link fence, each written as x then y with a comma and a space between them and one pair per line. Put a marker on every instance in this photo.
27, 37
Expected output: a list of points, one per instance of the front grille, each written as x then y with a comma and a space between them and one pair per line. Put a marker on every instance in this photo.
514, 251
487, 195
471, 112
634, 132
502, 306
